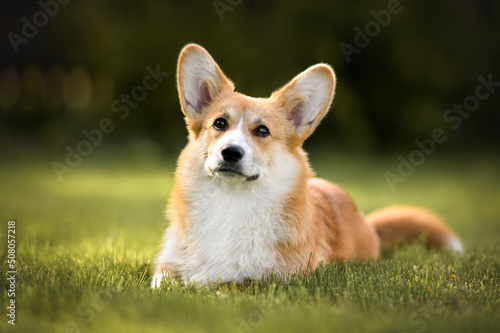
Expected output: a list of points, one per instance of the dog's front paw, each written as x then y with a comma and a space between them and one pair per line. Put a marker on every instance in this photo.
156, 280
161, 273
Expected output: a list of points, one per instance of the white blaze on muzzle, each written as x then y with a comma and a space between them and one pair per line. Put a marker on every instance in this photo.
236, 139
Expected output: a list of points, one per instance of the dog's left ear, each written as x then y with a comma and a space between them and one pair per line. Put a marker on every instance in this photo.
199, 80
306, 99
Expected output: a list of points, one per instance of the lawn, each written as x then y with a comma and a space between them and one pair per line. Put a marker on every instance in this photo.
84, 251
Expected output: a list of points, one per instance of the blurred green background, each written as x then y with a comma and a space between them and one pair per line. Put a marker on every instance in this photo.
85, 54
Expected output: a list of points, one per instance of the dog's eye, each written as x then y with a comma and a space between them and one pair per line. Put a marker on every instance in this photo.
220, 124
261, 131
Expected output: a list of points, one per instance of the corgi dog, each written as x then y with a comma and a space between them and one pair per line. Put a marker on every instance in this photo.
245, 202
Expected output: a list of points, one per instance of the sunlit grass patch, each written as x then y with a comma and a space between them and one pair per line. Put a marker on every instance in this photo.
85, 250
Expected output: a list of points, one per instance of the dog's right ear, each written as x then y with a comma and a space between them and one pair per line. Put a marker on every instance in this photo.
199, 80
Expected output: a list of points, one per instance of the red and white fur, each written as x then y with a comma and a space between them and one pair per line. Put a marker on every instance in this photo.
245, 201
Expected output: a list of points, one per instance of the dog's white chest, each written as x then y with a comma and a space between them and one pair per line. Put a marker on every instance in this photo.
232, 234
232, 228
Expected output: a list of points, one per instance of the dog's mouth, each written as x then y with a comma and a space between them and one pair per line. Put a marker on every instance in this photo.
232, 172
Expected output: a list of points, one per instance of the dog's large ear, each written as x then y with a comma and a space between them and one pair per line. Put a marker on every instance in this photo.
305, 100
199, 80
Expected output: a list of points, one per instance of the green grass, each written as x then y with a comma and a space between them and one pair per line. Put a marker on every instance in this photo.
85, 248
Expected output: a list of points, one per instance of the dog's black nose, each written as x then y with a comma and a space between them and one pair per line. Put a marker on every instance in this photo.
232, 154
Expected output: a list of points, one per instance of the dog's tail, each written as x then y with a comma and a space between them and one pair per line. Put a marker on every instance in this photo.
406, 224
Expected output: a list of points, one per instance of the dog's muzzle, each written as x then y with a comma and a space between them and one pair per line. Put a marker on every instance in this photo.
231, 166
